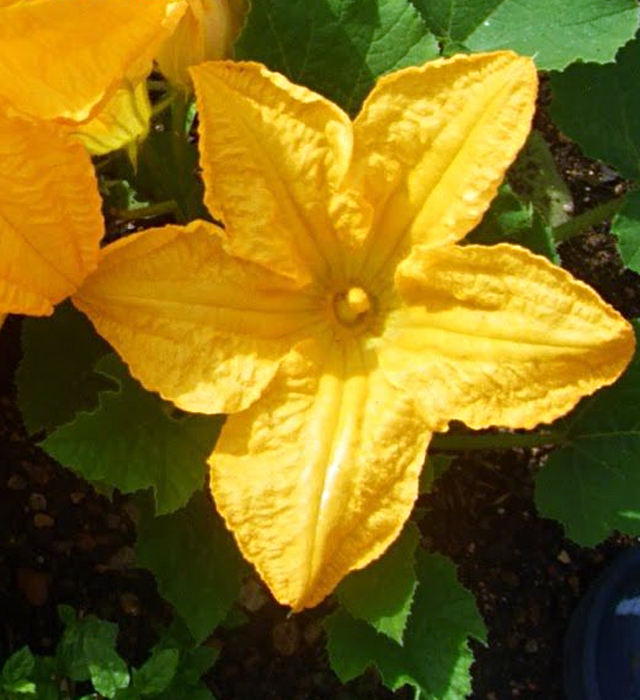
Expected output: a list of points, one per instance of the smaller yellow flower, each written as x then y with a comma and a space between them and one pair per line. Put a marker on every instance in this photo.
62, 63
206, 32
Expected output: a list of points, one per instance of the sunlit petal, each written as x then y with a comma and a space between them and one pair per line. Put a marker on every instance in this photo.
123, 120
499, 336
206, 32
433, 144
205, 330
274, 156
317, 478
50, 216
60, 59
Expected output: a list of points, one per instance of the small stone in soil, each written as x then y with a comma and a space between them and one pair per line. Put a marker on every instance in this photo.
16, 482
37, 502
130, 604
43, 520
34, 585
286, 637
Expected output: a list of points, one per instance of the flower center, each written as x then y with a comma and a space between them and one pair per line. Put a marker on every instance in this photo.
351, 307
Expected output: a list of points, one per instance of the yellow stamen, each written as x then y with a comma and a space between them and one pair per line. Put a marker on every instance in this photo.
350, 307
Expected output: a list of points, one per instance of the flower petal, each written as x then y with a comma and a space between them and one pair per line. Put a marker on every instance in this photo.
59, 59
122, 121
317, 477
433, 144
273, 156
206, 32
499, 336
205, 330
50, 216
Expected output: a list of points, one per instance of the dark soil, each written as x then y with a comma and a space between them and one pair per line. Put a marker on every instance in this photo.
61, 542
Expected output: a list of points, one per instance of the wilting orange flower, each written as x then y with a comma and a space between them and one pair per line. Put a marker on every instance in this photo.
206, 32
335, 317
60, 63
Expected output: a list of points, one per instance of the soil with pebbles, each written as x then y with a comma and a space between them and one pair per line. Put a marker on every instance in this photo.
61, 542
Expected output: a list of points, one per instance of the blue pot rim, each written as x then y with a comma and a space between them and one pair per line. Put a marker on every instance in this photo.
581, 680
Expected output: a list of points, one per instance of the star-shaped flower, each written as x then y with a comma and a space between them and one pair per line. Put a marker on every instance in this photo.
335, 317
60, 63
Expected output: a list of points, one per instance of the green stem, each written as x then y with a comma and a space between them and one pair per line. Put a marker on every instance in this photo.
587, 219
179, 112
162, 104
159, 209
157, 85
447, 442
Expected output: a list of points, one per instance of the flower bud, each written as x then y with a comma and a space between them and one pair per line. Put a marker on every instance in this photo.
121, 123
206, 32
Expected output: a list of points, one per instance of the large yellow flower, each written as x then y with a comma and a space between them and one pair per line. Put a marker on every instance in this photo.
60, 63
335, 318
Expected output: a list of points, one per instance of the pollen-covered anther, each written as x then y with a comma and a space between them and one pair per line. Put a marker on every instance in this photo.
351, 307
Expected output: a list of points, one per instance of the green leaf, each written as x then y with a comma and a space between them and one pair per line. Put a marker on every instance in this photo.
120, 195
23, 688
107, 670
195, 561
534, 177
592, 485
435, 657
72, 653
168, 170
133, 441
512, 220
17, 669
506, 219
157, 672
336, 47
45, 676
626, 226
55, 379
556, 32
382, 594
194, 660
599, 107
193, 663
538, 238
434, 467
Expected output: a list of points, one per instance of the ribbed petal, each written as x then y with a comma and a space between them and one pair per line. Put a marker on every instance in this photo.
50, 216
274, 156
59, 59
433, 144
205, 330
317, 477
122, 121
206, 32
499, 336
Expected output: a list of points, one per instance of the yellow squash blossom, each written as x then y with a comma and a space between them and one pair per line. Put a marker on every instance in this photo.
335, 317
207, 31
60, 62
122, 122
